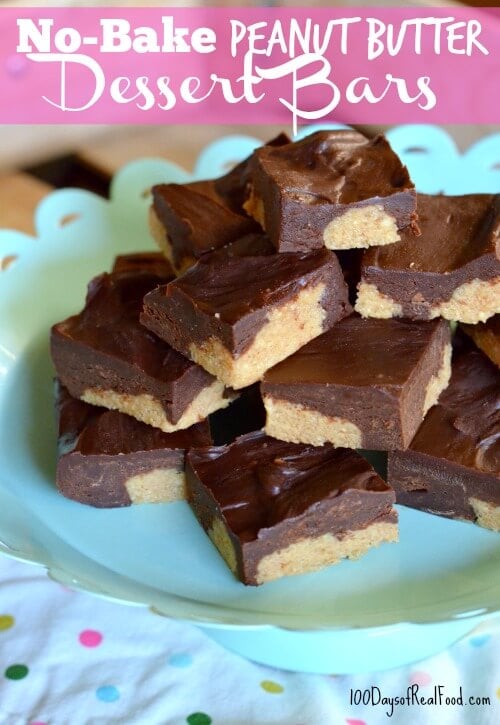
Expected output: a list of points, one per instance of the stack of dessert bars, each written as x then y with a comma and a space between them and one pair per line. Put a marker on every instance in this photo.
303, 309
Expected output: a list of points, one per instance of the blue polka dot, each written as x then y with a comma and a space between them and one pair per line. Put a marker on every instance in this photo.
180, 659
480, 640
107, 693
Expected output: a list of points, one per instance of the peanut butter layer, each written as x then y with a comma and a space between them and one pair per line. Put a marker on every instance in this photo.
192, 219
105, 350
274, 509
237, 316
453, 269
334, 188
452, 467
486, 335
364, 383
107, 459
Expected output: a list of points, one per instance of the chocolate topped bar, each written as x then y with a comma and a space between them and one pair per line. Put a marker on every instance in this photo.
104, 356
189, 220
486, 335
108, 459
452, 467
333, 188
238, 316
363, 384
274, 509
452, 270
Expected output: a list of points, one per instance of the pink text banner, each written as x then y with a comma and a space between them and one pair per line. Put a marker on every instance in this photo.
249, 65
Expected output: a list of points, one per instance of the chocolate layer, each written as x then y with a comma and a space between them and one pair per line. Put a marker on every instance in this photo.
105, 347
373, 373
99, 450
230, 298
486, 335
269, 494
197, 220
204, 215
306, 184
459, 242
455, 455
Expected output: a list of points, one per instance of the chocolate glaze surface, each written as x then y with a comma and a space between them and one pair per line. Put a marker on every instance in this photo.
204, 215
455, 454
304, 185
106, 347
99, 450
197, 220
269, 494
370, 372
459, 242
230, 297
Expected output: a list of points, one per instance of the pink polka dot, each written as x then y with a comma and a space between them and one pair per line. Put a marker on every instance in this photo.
420, 678
38, 722
355, 722
90, 638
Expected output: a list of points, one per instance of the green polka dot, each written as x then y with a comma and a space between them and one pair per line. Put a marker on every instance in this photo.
274, 688
16, 672
6, 622
198, 718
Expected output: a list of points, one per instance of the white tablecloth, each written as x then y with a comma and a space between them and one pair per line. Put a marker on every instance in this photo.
67, 657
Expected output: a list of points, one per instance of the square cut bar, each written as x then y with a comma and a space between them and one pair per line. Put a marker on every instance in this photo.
107, 459
334, 188
274, 509
363, 384
452, 270
189, 220
486, 335
238, 316
104, 356
452, 467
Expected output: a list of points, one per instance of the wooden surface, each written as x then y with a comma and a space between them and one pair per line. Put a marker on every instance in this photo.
19, 197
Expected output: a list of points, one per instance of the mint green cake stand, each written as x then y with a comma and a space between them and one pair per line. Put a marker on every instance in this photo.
398, 604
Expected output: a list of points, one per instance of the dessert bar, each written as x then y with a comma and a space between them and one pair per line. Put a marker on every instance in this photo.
274, 509
452, 467
363, 384
337, 189
189, 220
104, 356
107, 459
452, 270
238, 316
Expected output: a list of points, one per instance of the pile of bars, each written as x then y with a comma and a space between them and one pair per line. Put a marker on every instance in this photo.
249, 307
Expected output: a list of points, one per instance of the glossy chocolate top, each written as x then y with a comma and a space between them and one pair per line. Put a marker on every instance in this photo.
90, 430
464, 427
237, 286
337, 167
258, 482
455, 230
358, 352
197, 219
110, 324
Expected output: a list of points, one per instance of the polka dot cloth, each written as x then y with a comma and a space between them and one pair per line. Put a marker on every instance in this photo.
66, 657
